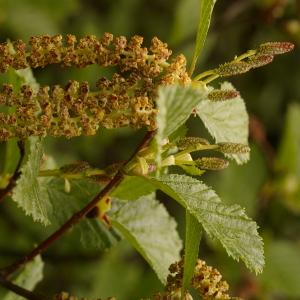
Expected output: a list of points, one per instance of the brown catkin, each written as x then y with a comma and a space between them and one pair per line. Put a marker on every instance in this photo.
207, 281
125, 100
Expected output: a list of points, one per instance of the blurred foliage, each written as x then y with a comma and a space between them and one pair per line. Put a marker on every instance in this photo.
268, 186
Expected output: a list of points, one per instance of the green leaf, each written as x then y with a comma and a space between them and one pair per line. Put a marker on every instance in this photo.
146, 224
28, 193
281, 275
193, 233
29, 277
46, 201
206, 9
93, 232
227, 223
192, 170
132, 188
175, 104
226, 121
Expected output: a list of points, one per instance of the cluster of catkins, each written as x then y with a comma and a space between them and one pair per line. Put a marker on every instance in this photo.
207, 281
125, 100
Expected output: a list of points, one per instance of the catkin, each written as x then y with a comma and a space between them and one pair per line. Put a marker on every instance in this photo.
128, 99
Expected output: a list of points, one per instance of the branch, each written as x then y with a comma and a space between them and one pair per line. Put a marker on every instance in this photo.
21, 291
78, 216
12, 182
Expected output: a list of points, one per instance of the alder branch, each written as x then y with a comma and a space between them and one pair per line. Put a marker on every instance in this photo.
12, 182
21, 291
78, 216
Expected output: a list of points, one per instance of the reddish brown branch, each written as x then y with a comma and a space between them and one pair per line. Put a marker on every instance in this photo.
21, 291
12, 182
78, 216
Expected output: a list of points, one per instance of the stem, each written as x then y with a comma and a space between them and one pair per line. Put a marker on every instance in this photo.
204, 74
12, 182
21, 291
78, 216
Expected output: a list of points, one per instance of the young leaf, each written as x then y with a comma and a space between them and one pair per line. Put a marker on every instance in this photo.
28, 193
30, 276
206, 9
175, 104
228, 223
226, 121
132, 188
193, 233
149, 228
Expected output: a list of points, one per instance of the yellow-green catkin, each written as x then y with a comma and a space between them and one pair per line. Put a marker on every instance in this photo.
125, 100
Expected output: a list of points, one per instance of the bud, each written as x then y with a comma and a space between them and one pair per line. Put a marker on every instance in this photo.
222, 95
212, 163
233, 68
275, 48
233, 148
67, 186
260, 60
183, 158
187, 142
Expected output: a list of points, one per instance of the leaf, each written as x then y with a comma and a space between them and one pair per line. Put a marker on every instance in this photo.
47, 202
193, 233
226, 121
175, 104
132, 188
93, 232
282, 268
146, 224
28, 193
192, 170
227, 223
29, 277
206, 9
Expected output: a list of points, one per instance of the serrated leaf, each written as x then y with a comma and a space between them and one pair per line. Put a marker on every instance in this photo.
46, 201
193, 233
28, 193
206, 9
227, 223
226, 121
93, 232
146, 224
175, 104
132, 188
29, 277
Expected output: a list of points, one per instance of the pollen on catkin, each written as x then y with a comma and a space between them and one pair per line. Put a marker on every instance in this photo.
128, 99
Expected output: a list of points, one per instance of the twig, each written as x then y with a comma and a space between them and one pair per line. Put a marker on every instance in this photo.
12, 182
78, 216
21, 291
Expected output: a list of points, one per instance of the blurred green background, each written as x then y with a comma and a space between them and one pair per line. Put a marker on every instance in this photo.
268, 186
